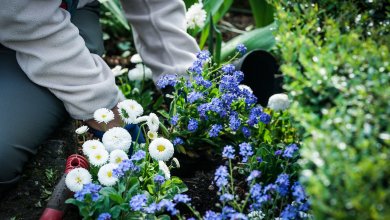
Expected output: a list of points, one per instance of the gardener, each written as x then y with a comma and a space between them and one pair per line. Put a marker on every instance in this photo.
50, 65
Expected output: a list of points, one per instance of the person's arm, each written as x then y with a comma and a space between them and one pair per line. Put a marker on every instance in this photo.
51, 52
159, 29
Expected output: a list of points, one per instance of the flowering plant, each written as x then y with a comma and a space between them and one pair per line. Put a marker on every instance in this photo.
124, 186
212, 107
137, 83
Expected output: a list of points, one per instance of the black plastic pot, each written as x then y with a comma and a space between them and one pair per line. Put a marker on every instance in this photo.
260, 68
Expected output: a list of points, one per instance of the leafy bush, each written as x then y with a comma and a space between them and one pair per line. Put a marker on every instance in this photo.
336, 65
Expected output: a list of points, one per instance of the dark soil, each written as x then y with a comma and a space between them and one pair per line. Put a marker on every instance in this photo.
28, 198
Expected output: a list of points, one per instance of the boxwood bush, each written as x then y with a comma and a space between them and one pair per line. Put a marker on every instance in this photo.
335, 58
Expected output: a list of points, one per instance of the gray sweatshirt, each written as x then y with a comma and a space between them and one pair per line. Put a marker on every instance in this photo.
51, 52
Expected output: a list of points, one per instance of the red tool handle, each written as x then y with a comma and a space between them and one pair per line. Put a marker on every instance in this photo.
56, 205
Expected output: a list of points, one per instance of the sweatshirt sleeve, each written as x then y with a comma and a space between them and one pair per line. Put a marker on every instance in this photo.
159, 29
51, 52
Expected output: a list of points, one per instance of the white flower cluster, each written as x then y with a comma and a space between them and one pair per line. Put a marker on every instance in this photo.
140, 72
118, 70
196, 16
107, 154
278, 102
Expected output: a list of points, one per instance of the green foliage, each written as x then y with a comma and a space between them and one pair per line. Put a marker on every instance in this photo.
260, 38
336, 63
113, 16
263, 13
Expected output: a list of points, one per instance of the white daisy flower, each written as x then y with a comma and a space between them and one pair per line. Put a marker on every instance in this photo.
163, 167
242, 87
98, 157
278, 102
141, 119
117, 138
136, 58
152, 135
103, 115
196, 16
91, 146
118, 71
153, 122
76, 178
176, 163
117, 156
105, 176
140, 72
161, 149
82, 129
129, 110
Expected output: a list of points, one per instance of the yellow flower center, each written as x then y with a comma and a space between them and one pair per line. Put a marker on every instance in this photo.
118, 160
98, 157
78, 180
161, 148
94, 147
104, 115
109, 173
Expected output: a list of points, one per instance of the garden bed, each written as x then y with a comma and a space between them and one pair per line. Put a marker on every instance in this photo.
28, 198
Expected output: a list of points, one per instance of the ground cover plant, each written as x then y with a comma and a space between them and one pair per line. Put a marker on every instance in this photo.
335, 59
257, 175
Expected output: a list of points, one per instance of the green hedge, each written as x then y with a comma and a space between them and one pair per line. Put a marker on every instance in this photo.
335, 59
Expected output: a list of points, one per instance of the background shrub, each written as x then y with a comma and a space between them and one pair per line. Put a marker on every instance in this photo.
335, 59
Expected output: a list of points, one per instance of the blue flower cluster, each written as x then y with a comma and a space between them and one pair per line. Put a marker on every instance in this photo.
192, 125
221, 177
283, 184
241, 49
228, 152
215, 129
181, 198
123, 167
90, 188
194, 96
253, 175
159, 179
104, 216
234, 121
139, 155
167, 80
226, 197
138, 202
227, 213
245, 151
174, 119
197, 66
290, 150
177, 141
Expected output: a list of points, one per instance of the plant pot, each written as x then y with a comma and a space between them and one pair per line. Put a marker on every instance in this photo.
260, 68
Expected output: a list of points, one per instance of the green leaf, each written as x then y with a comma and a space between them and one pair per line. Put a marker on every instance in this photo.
116, 198
115, 212
261, 38
106, 191
74, 202
163, 113
263, 12
218, 9
150, 188
164, 217
158, 103
115, 9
